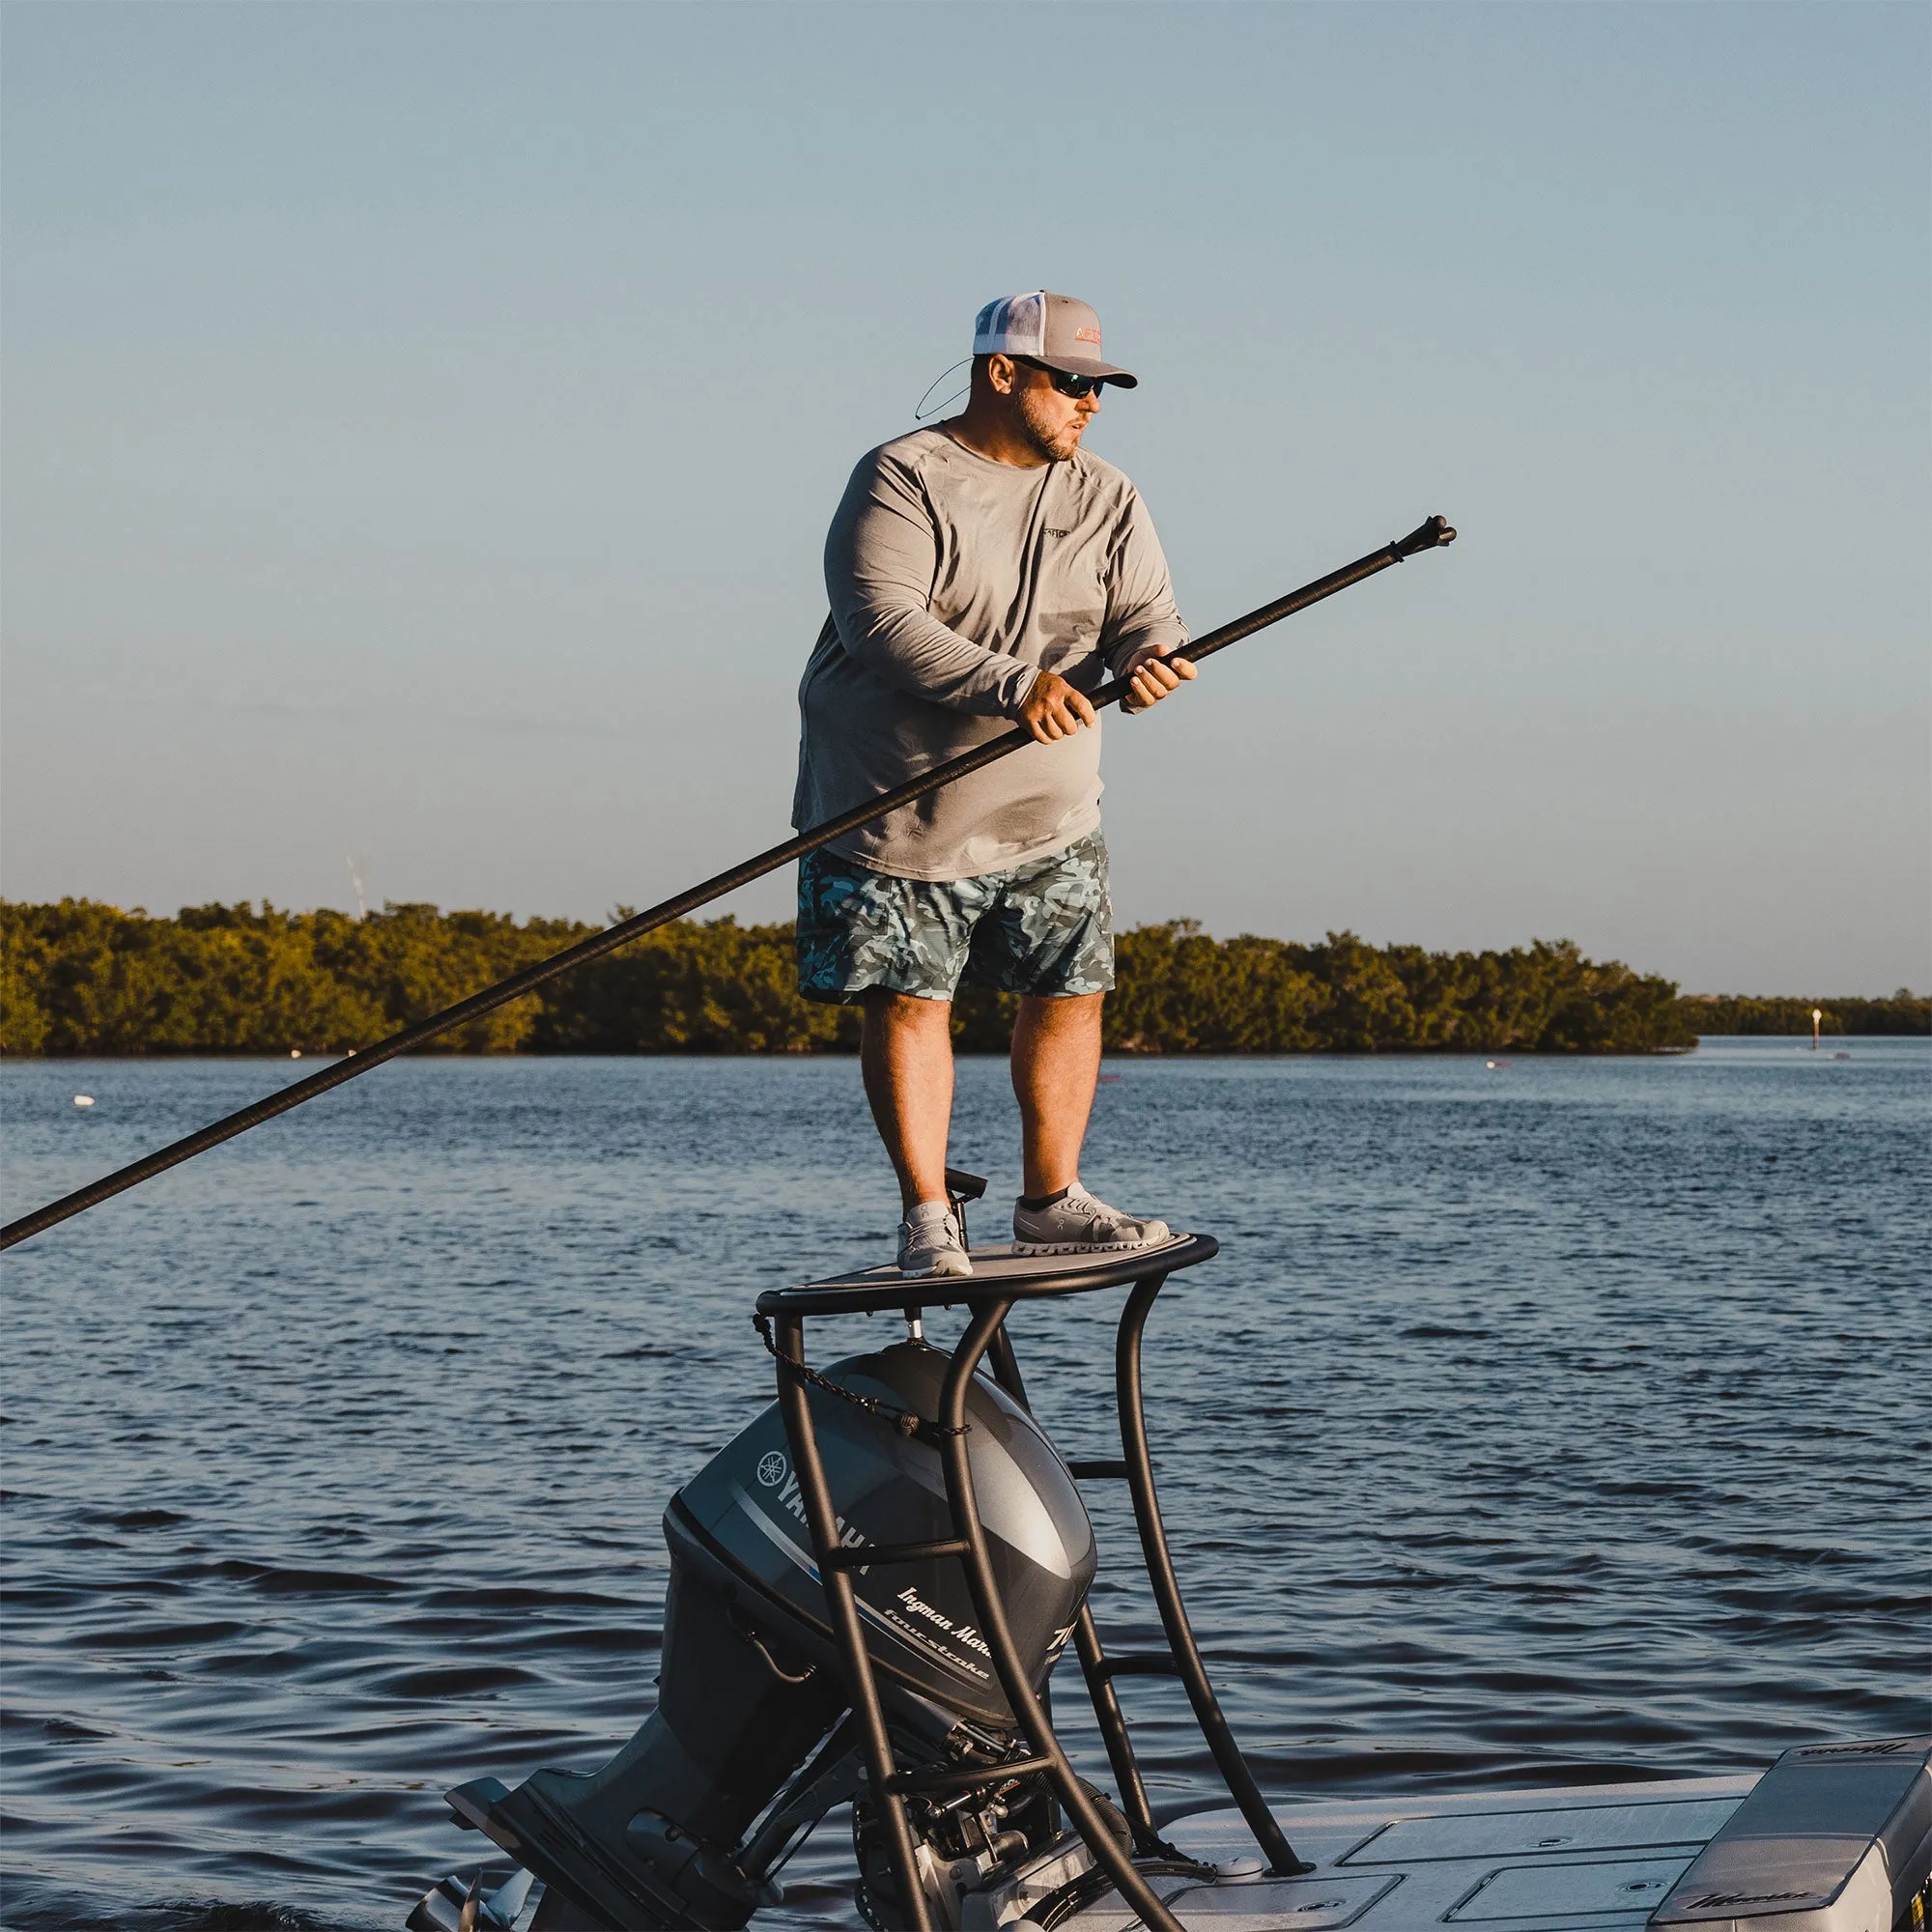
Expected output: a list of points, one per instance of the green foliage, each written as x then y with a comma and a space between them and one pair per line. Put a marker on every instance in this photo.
720, 988
1182, 992
83, 978
1904, 1012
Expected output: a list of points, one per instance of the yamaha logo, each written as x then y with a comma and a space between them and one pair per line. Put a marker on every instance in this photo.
771, 1468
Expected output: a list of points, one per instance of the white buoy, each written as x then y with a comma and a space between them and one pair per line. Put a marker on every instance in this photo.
83, 1099
295, 1053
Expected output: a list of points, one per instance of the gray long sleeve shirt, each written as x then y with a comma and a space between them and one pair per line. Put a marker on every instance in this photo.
954, 581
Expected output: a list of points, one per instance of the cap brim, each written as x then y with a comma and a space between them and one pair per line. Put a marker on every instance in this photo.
1089, 365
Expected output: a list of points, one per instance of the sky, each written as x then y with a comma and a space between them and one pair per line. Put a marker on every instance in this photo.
421, 422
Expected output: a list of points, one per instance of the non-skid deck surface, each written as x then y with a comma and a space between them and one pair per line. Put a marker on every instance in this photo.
996, 1272
1599, 1859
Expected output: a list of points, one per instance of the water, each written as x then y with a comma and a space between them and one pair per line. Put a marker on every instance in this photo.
1554, 1421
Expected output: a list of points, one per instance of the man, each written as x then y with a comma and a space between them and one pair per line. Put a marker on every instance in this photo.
982, 570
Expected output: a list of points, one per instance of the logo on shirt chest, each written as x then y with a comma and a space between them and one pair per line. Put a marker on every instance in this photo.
1059, 533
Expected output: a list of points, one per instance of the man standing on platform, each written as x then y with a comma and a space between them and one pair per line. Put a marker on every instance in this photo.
982, 571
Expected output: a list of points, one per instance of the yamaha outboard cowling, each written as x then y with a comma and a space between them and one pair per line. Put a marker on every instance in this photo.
746, 1511
749, 1679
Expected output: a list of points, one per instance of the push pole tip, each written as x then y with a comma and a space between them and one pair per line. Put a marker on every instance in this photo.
1430, 535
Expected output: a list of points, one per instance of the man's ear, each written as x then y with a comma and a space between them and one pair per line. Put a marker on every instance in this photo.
1002, 373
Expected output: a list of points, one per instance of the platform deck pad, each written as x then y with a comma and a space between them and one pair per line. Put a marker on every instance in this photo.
997, 1272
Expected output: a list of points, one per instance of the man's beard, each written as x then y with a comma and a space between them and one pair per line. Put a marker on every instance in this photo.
1054, 442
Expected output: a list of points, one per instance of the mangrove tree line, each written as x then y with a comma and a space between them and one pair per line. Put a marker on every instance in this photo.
82, 977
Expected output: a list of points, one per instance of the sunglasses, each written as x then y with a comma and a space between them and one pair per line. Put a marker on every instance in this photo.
1064, 381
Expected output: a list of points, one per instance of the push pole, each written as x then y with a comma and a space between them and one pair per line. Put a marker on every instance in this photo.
1432, 536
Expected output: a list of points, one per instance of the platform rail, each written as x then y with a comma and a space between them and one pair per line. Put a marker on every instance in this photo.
1182, 1647
985, 1339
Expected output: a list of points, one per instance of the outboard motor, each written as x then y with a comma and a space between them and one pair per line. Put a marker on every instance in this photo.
684, 1824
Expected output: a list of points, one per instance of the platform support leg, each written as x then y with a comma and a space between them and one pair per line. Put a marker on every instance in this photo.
1186, 1654
1106, 1703
821, 1518
992, 1614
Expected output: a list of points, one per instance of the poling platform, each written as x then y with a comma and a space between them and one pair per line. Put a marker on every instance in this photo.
997, 1272
1121, 1847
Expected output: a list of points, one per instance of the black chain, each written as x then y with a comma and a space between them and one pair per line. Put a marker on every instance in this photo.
905, 1420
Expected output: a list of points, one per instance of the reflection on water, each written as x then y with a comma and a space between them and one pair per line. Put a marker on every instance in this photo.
1541, 1422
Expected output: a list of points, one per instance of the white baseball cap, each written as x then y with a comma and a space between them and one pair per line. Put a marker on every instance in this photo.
1054, 330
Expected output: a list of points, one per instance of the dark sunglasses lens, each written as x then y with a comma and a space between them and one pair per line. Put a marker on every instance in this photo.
1063, 379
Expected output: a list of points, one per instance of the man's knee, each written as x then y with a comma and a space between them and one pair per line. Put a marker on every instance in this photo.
1061, 1009
889, 1012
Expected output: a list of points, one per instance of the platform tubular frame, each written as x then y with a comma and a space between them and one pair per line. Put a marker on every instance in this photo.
985, 1339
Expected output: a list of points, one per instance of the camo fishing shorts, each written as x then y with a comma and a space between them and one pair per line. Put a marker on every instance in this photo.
1042, 927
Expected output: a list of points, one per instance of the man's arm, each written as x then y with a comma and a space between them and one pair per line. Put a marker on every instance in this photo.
1142, 625
880, 557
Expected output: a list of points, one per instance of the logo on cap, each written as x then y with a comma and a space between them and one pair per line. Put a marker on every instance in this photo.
1092, 335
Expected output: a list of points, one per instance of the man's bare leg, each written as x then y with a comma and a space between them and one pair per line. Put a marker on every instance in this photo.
906, 1057
1056, 1065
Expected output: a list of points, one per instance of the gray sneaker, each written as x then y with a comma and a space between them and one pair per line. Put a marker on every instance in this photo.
929, 1242
1076, 1223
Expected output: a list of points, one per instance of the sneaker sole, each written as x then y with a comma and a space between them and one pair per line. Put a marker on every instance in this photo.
1089, 1247
934, 1273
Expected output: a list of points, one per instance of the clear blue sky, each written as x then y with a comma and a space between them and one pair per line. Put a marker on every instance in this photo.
421, 423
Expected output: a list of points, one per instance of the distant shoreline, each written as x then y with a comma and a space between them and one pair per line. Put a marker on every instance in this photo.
1116, 1062
82, 979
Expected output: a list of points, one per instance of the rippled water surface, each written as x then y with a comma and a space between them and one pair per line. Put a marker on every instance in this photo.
1539, 1422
